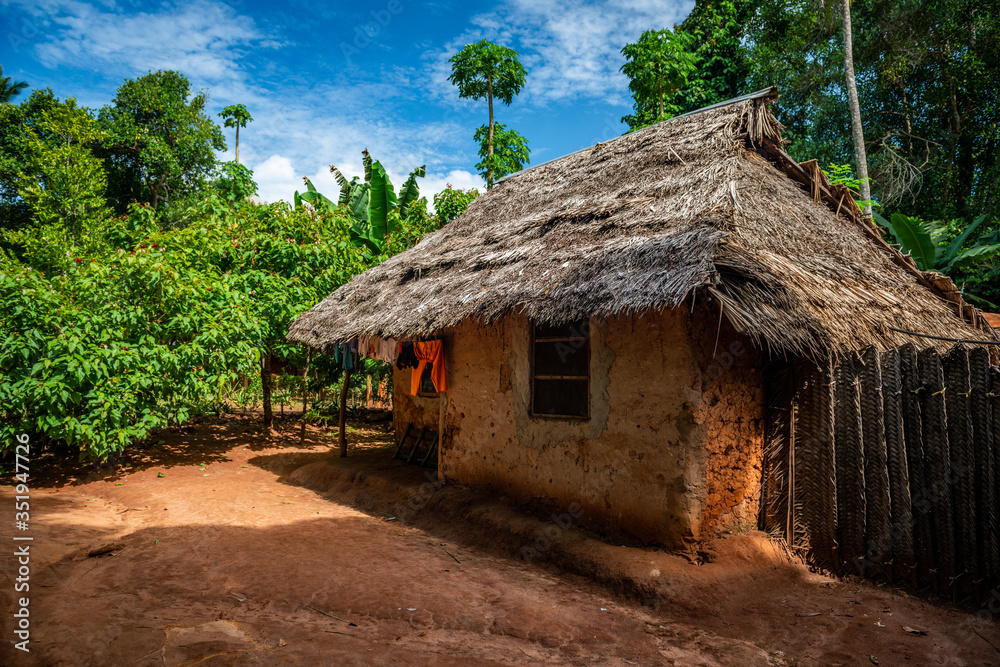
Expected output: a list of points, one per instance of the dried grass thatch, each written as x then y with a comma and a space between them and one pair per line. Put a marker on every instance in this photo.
641, 222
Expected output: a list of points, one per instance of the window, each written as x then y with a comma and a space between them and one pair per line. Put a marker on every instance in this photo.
560, 371
426, 384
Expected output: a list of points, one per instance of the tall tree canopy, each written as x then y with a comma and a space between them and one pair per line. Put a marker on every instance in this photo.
236, 115
658, 66
485, 70
160, 143
928, 85
20, 126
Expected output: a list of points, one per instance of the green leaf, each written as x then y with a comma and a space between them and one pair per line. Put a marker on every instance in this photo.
383, 201
975, 255
410, 191
915, 239
358, 204
955, 247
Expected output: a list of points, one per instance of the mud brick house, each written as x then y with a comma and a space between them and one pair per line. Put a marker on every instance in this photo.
607, 318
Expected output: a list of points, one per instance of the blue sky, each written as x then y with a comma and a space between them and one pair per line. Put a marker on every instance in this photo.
324, 80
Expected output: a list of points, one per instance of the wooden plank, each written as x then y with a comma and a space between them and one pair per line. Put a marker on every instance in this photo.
416, 445
402, 440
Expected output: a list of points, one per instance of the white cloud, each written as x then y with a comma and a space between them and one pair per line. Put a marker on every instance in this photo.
276, 179
199, 37
571, 49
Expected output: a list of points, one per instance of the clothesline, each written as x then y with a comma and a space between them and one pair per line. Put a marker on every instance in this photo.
399, 353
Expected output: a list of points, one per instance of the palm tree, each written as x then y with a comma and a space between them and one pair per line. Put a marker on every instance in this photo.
9, 88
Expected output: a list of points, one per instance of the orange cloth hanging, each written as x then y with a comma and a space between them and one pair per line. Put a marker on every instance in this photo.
432, 351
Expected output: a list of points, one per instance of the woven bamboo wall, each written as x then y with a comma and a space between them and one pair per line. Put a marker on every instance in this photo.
885, 465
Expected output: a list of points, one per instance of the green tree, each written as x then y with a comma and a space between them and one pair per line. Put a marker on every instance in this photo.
929, 93
9, 89
452, 202
373, 205
236, 115
234, 182
20, 126
857, 130
487, 70
658, 66
716, 33
64, 183
509, 154
160, 144
102, 351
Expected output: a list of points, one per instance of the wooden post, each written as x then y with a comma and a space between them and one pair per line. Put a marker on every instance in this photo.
265, 383
305, 392
343, 414
442, 407
789, 526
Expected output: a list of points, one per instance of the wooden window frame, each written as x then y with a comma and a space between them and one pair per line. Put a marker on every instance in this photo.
579, 378
421, 392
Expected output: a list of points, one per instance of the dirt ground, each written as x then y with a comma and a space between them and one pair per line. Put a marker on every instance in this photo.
217, 556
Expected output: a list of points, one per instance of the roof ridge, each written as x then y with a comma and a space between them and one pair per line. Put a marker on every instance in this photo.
765, 93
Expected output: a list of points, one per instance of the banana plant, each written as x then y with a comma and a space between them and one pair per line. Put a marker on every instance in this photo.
373, 202
924, 241
314, 198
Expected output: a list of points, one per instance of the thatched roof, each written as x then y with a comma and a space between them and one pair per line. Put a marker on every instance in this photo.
702, 204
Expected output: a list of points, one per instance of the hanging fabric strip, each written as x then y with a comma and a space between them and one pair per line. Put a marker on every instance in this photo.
406, 357
433, 352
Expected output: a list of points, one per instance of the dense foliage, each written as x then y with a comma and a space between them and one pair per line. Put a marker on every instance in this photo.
928, 79
117, 323
658, 66
159, 141
452, 202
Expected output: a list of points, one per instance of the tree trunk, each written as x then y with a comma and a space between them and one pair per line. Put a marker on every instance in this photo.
237, 143
489, 149
343, 413
660, 97
265, 383
852, 98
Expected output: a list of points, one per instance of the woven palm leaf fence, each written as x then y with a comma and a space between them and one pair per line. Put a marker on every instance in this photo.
885, 464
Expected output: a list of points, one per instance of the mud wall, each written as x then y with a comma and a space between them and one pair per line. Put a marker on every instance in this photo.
732, 408
672, 448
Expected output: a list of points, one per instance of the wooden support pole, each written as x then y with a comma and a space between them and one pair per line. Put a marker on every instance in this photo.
343, 413
305, 392
442, 408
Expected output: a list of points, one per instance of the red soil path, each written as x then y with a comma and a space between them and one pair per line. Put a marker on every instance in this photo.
221, 561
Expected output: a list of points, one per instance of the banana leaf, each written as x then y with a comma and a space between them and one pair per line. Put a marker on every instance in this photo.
383, 200
955, 248
315, 198
410, 190
366, 160
915, 239
980, 302
974, 255
359, 201
361, 237
345, 185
